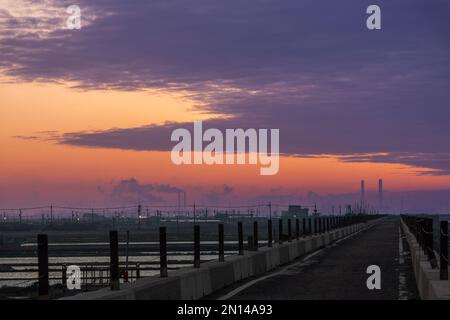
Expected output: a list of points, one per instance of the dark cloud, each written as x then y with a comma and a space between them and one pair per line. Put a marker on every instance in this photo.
227, 189
399, 151
132, 191
439, 162
218, 196
310, 68
27, 137
166, 188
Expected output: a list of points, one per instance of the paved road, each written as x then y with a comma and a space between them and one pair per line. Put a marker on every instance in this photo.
339, 271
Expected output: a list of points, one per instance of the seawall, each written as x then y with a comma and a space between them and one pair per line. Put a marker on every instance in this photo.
429, 285
195, 283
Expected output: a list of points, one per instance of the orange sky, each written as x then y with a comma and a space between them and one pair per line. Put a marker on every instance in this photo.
40, 172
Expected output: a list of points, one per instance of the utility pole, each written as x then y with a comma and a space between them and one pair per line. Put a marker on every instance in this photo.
194, 213
139, 216
126, 250
270, 210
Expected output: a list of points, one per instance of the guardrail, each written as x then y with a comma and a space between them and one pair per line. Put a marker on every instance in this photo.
422, 229
322, 225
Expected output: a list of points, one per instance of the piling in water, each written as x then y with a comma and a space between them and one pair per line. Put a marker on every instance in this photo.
162, 252
114, 260
240, 239
42, 240
444, 251
196, 246
255, 235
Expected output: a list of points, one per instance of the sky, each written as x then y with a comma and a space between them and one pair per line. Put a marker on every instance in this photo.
86, 115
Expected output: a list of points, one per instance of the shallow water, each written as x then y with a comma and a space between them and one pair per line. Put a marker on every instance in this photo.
146, 257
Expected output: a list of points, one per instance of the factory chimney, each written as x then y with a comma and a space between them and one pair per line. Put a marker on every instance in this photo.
362, 191
380, 193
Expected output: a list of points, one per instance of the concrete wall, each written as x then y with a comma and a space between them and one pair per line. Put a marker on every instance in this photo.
195, 283
427, 279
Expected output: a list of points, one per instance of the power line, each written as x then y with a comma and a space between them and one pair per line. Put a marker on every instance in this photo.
259, 205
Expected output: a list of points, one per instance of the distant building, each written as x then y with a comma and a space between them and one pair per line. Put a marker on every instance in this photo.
226, 215
295, 212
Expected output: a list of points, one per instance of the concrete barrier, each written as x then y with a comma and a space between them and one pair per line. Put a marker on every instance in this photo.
429, 285
195, 283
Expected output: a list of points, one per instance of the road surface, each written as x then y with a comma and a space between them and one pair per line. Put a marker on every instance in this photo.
339, 271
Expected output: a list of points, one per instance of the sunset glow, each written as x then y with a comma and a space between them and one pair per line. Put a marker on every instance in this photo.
78, 115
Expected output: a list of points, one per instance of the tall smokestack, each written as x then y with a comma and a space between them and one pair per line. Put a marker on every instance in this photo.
380, 193
362, 191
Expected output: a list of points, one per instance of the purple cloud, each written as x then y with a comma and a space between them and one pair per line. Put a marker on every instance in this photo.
132, 191
311, 69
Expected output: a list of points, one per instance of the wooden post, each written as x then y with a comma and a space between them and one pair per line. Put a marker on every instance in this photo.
196, 246
280, 230
42, 240
240, 239
269, 232
429, 243
138, 270
221, 243
444, 251
289, 230
162, 252
114, 260
126, 253
64, 276
255, 235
